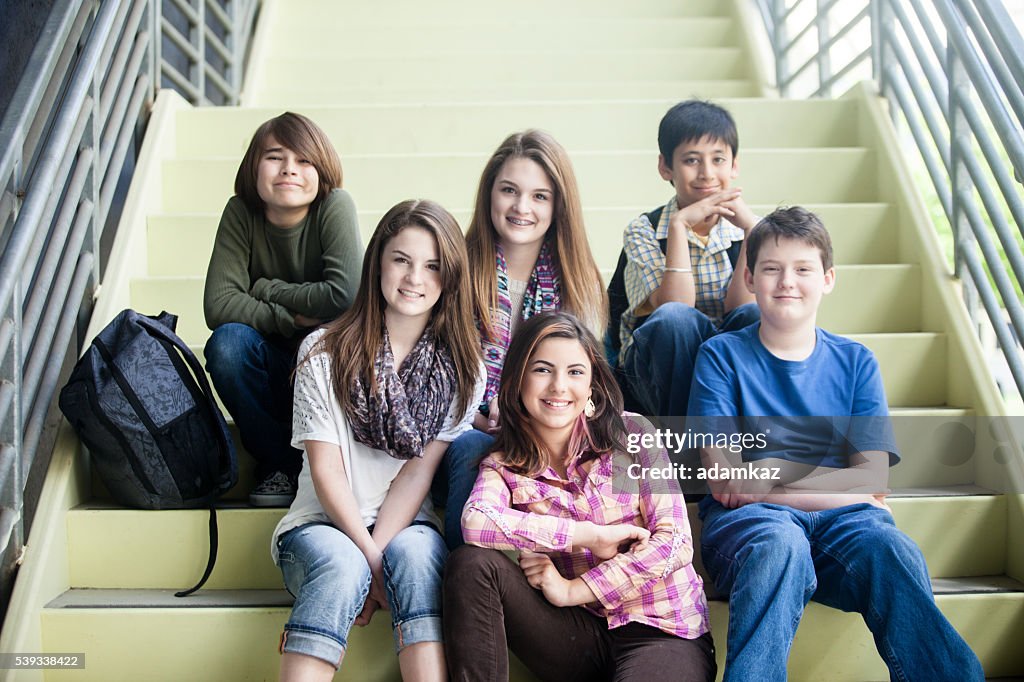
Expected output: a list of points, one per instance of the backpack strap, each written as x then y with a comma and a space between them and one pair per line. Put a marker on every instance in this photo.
618, 301
159, 329
214, 537
734, 253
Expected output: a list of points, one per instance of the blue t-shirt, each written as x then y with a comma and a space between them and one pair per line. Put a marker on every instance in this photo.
816, 411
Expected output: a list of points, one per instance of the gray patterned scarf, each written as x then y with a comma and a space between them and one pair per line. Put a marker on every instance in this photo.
406, 408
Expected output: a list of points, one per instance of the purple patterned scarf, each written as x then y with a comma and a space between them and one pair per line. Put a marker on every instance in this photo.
543, 292
406, 408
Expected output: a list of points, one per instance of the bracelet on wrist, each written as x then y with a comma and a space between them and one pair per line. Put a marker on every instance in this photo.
683, 270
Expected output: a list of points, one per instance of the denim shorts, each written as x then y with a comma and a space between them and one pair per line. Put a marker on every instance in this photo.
330, 579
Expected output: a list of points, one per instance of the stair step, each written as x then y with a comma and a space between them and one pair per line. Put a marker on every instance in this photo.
111, 547
467, 68
374, 36
239, 643
449, 128
868, 299
301, 96
377, 182
198, 644
982, 584
99, 598
180, 244
89, 598
300, 13
914, 367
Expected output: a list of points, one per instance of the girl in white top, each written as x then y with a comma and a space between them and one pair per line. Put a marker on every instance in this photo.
379, 394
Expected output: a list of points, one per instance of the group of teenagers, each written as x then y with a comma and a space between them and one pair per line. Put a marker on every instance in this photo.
481, 374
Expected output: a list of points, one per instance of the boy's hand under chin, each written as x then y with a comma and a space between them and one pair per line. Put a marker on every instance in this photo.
702, 215
742, 217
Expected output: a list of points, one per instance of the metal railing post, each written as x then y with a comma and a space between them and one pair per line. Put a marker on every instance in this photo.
781, 62
824, 60
973, 90
959, 130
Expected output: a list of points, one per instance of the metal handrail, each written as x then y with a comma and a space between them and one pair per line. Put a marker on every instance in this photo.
72, 129
951, 97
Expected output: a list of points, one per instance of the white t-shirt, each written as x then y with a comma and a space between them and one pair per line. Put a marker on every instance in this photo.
317, 415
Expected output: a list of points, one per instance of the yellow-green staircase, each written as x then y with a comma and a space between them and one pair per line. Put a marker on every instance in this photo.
415, 96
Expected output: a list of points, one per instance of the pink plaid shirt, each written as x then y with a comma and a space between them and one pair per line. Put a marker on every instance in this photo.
655, 585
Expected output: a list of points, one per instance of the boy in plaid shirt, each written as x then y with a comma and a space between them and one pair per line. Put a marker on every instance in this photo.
680, 259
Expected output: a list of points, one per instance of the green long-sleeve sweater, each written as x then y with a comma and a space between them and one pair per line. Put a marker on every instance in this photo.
262, 275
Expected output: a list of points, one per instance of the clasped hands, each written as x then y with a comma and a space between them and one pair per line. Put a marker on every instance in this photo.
604, 542
377, 599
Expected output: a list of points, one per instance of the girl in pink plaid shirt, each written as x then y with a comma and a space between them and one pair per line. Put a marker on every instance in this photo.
604, 587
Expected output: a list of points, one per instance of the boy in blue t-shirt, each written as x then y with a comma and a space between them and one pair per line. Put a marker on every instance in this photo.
815, 525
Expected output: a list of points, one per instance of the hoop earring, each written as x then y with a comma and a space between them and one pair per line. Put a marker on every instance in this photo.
589, 409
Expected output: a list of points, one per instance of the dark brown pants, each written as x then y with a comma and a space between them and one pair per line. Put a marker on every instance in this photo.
489, 607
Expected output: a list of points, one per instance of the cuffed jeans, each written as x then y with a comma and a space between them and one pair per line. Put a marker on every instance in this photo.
772, 559
454, 480
252, 375
658, 365
489, 607
330, 579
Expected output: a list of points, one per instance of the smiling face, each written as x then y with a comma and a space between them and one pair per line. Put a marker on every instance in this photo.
286, 182
522, 203
556, 386
699, 169
789, 282
410, 275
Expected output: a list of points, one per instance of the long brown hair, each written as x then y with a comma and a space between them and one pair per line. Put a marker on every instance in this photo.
353, 339
302, 136
523, 449
582, 290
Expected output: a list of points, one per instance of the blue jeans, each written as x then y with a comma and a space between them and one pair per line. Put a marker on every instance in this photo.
252, 375
454, 480
329, 578
659, 363
773, 559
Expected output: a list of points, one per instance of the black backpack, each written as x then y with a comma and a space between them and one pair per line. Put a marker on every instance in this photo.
618, 302
140, 402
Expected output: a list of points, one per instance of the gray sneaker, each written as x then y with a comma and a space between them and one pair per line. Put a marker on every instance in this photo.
276, 490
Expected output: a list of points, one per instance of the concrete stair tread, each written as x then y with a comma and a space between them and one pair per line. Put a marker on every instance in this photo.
303, 96
93, 598
533, 66
410, 11
443, 126
984, 584
369, 37
897, 495
102, 598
